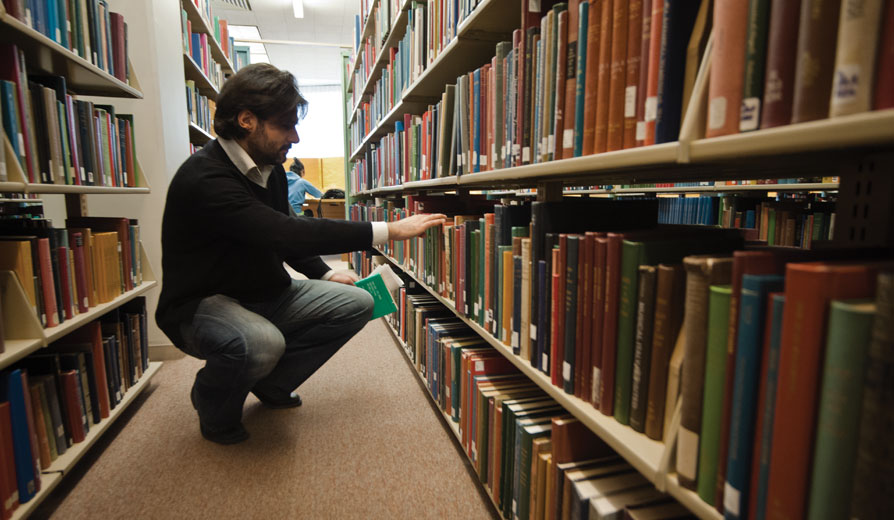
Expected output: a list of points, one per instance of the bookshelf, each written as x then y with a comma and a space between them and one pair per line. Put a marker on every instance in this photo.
203, 94
23, 331
855, 148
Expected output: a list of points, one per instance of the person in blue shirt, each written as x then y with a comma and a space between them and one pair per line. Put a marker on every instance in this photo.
299, 187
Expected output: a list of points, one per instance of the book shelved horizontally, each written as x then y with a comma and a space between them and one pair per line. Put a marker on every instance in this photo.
24, 332
208, 58
832, 142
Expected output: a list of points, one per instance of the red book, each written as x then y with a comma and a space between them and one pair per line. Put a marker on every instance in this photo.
130, 165
91, 334
557, 354
75, 417
9, 491
119, 46
779, 80
594, 35
634, 57
64, 281
12, 68
585, 317
809, 287
603, 79
650, 108
610, 322
565, 135
595, 389
884, 71
727, 68
47, 281
561, 66
617, 77
643, 83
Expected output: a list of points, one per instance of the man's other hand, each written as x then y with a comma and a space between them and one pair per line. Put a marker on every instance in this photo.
414, 226
345, 277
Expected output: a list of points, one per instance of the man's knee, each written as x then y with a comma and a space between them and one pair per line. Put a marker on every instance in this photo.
359, 306
251, 342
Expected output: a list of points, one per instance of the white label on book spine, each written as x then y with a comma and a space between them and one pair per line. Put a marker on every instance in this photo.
508, 146
630, 101
86, 302
526, 154
58, 36
544, 362
90, 176
514, 507
22, 143
29, 22
475, 309
749, 115
543, 141
640, 130
459, 159
846, 84
687, 453
597, 385
568, 138
533, 6
533, 332
651, 108
490, 315
731, 499
515, 339
566, 371
479, 366
516, 149
483, 160
502, 152
474, 157
551, 143
493, 153
55, 317
717, 112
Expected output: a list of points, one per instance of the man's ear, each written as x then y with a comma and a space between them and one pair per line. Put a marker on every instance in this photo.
247, 120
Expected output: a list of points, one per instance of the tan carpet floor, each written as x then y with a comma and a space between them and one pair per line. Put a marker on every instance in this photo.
366, 444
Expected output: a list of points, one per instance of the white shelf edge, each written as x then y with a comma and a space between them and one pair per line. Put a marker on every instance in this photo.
206, 28
48, 482
16, 349
691, 500
53, 333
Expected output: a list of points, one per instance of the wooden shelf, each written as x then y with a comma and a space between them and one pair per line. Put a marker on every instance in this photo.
195, 73
858, 130
45, 55
198, 135
201, 25
644, 454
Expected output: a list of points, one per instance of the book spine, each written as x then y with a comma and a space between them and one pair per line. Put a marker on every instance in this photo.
631, 258
557, 130
635, 54
884, 81
594, 39
565, 135
642, 346
757, 28
582, 55
610, 324
854, 73
570, 303
603, 92
782, 46
727, 68
617, 77
816, 59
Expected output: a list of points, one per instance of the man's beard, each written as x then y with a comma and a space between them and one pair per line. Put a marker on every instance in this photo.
262, 153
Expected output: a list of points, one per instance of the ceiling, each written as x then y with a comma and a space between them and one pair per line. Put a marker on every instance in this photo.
325, 21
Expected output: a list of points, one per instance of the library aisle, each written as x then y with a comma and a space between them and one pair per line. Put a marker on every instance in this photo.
365, 444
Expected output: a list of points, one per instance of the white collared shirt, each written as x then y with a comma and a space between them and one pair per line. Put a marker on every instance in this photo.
260, 174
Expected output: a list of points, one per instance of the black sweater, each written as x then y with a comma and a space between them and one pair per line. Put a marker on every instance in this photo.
223, 234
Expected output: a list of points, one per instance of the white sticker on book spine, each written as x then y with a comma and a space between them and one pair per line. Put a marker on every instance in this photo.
687, 453
516, 149
651, 108
731, 497
526, 154
568, 138
846, 84
484, 160
630, 101
533, 332
717, 113
22, 144
515, 339
749, 114
566, 371
544, 362
597, 386
640, 130
479, 366
551, 143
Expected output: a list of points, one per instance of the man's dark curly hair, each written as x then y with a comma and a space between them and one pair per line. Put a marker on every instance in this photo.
262, 89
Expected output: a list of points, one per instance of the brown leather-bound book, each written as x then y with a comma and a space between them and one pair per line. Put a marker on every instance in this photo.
594, 37
634, 56
815, 59
75, 416
40, 427
874, 468
884, 69
642, 346
573, 441
809, 287
565, 135
702, 271
782, 45
603, 80
642, 85
584, 311
599, 251
610, 322
669, 293
617, 77
727, 68
561, 69
650, 107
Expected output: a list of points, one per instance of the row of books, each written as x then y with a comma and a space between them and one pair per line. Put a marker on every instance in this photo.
360, 21
59, 139
384, 15
784, 222
535, 460
195, 45
50, 400
218, 26
87, 28
777, 63
592, 293
200, 108
67, 271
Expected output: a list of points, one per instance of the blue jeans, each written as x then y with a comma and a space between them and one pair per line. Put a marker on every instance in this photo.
270, 347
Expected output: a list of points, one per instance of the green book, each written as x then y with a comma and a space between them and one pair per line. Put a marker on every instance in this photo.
482, 254
63, 136
474, 267
712, 400
376, 286
755, 58
841, 398
526, 433
771, 227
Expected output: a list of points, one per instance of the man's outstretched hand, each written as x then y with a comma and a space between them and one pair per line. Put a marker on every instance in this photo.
414, 226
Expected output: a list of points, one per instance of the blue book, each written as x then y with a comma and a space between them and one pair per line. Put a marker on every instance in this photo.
53, 32
580, 87
676, 29
197, 49
476, 123
27, 472
106, 39
10, 121
749, 350
39, 16
768, 407
63, 23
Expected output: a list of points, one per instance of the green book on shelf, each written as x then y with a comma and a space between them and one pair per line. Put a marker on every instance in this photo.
379, 285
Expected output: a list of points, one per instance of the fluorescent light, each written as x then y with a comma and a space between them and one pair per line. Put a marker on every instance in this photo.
298, 8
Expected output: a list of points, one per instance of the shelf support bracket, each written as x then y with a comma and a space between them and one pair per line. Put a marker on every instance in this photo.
865, 196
